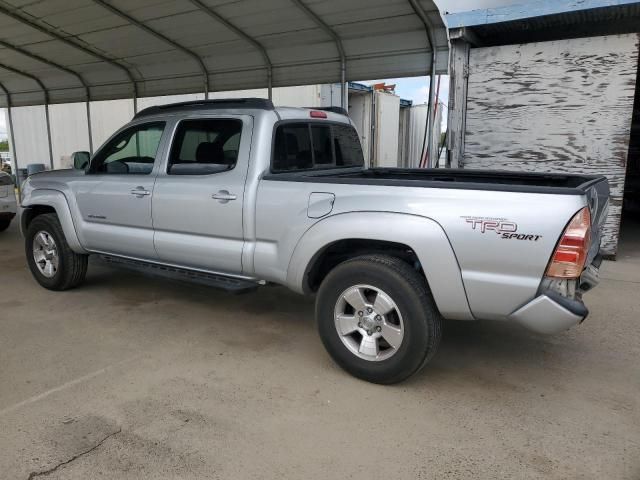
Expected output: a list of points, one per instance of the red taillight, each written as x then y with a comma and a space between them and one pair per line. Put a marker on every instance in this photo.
317, 114
571, 253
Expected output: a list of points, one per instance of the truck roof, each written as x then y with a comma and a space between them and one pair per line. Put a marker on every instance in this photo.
286, 113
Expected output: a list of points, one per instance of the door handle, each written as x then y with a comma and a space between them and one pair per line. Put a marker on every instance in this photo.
140, 192
223, 196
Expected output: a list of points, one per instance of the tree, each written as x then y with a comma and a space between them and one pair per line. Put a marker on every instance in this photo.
4, 146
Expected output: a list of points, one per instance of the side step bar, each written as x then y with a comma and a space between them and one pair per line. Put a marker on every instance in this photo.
230, 284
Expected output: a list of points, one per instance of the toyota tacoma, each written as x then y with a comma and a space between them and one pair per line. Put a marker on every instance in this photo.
239, 193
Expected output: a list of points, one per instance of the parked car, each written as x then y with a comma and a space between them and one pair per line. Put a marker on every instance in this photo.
237, 193
7, 201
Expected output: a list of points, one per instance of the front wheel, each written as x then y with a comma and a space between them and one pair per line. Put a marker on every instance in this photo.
52, 262
377, 318
4, 224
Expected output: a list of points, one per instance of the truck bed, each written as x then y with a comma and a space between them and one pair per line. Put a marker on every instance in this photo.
550, 183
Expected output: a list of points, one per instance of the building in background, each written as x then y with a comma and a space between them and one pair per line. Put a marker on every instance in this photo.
392, 130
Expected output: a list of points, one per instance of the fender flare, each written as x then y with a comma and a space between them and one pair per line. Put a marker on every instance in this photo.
56, 200
423, 235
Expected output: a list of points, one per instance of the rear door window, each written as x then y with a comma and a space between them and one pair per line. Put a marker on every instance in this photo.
205, 147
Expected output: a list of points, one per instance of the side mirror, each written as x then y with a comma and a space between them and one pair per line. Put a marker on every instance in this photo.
80, 160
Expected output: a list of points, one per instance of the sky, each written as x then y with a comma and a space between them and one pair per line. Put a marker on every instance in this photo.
416, 88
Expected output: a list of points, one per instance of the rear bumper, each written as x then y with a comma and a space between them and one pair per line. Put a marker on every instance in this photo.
550, 313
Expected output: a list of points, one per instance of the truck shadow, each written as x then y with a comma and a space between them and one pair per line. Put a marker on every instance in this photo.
495, 355
135, 289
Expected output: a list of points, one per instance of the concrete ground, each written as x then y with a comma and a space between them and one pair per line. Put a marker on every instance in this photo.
131, 377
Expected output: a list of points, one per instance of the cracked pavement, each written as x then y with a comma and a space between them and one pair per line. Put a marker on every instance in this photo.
45, 473
130, 377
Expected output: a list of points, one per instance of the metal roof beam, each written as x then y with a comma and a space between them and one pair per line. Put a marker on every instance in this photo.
338, 41
63, 69
46, 103
48, 62
29, 76
258, 46
56, 35
13, 141
465, 34
428, 26
162, 37
6, 94
431, 115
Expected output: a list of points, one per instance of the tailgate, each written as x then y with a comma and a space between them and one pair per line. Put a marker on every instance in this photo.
598, 200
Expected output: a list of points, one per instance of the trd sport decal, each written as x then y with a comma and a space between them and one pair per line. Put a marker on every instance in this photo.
501, 226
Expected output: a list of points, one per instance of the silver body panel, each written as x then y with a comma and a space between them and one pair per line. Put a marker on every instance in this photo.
274, 229
114, 219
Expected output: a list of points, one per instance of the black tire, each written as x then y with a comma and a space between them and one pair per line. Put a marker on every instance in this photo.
72, 267
409, 290
4, 224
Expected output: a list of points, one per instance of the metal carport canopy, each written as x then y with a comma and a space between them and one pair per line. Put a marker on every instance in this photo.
114, 49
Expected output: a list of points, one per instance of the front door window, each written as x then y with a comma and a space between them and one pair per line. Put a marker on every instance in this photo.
132, 151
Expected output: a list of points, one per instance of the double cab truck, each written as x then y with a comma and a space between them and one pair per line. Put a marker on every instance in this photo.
239, 193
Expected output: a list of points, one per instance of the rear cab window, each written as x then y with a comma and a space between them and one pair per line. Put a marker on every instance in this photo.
304, 146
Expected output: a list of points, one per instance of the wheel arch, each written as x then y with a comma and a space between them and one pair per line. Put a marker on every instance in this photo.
40, 202
344, 249
410, 237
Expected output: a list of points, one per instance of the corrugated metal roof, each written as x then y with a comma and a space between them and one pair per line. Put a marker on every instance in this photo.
171, 47
549, 20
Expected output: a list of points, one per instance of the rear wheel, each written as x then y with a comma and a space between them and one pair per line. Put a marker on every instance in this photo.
52, 262
377, 318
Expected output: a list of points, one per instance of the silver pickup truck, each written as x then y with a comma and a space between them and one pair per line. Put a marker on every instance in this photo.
238, 193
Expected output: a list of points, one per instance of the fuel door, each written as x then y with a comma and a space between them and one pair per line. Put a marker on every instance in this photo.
320, 204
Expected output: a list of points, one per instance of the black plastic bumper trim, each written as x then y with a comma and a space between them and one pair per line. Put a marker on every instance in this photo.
598, 260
